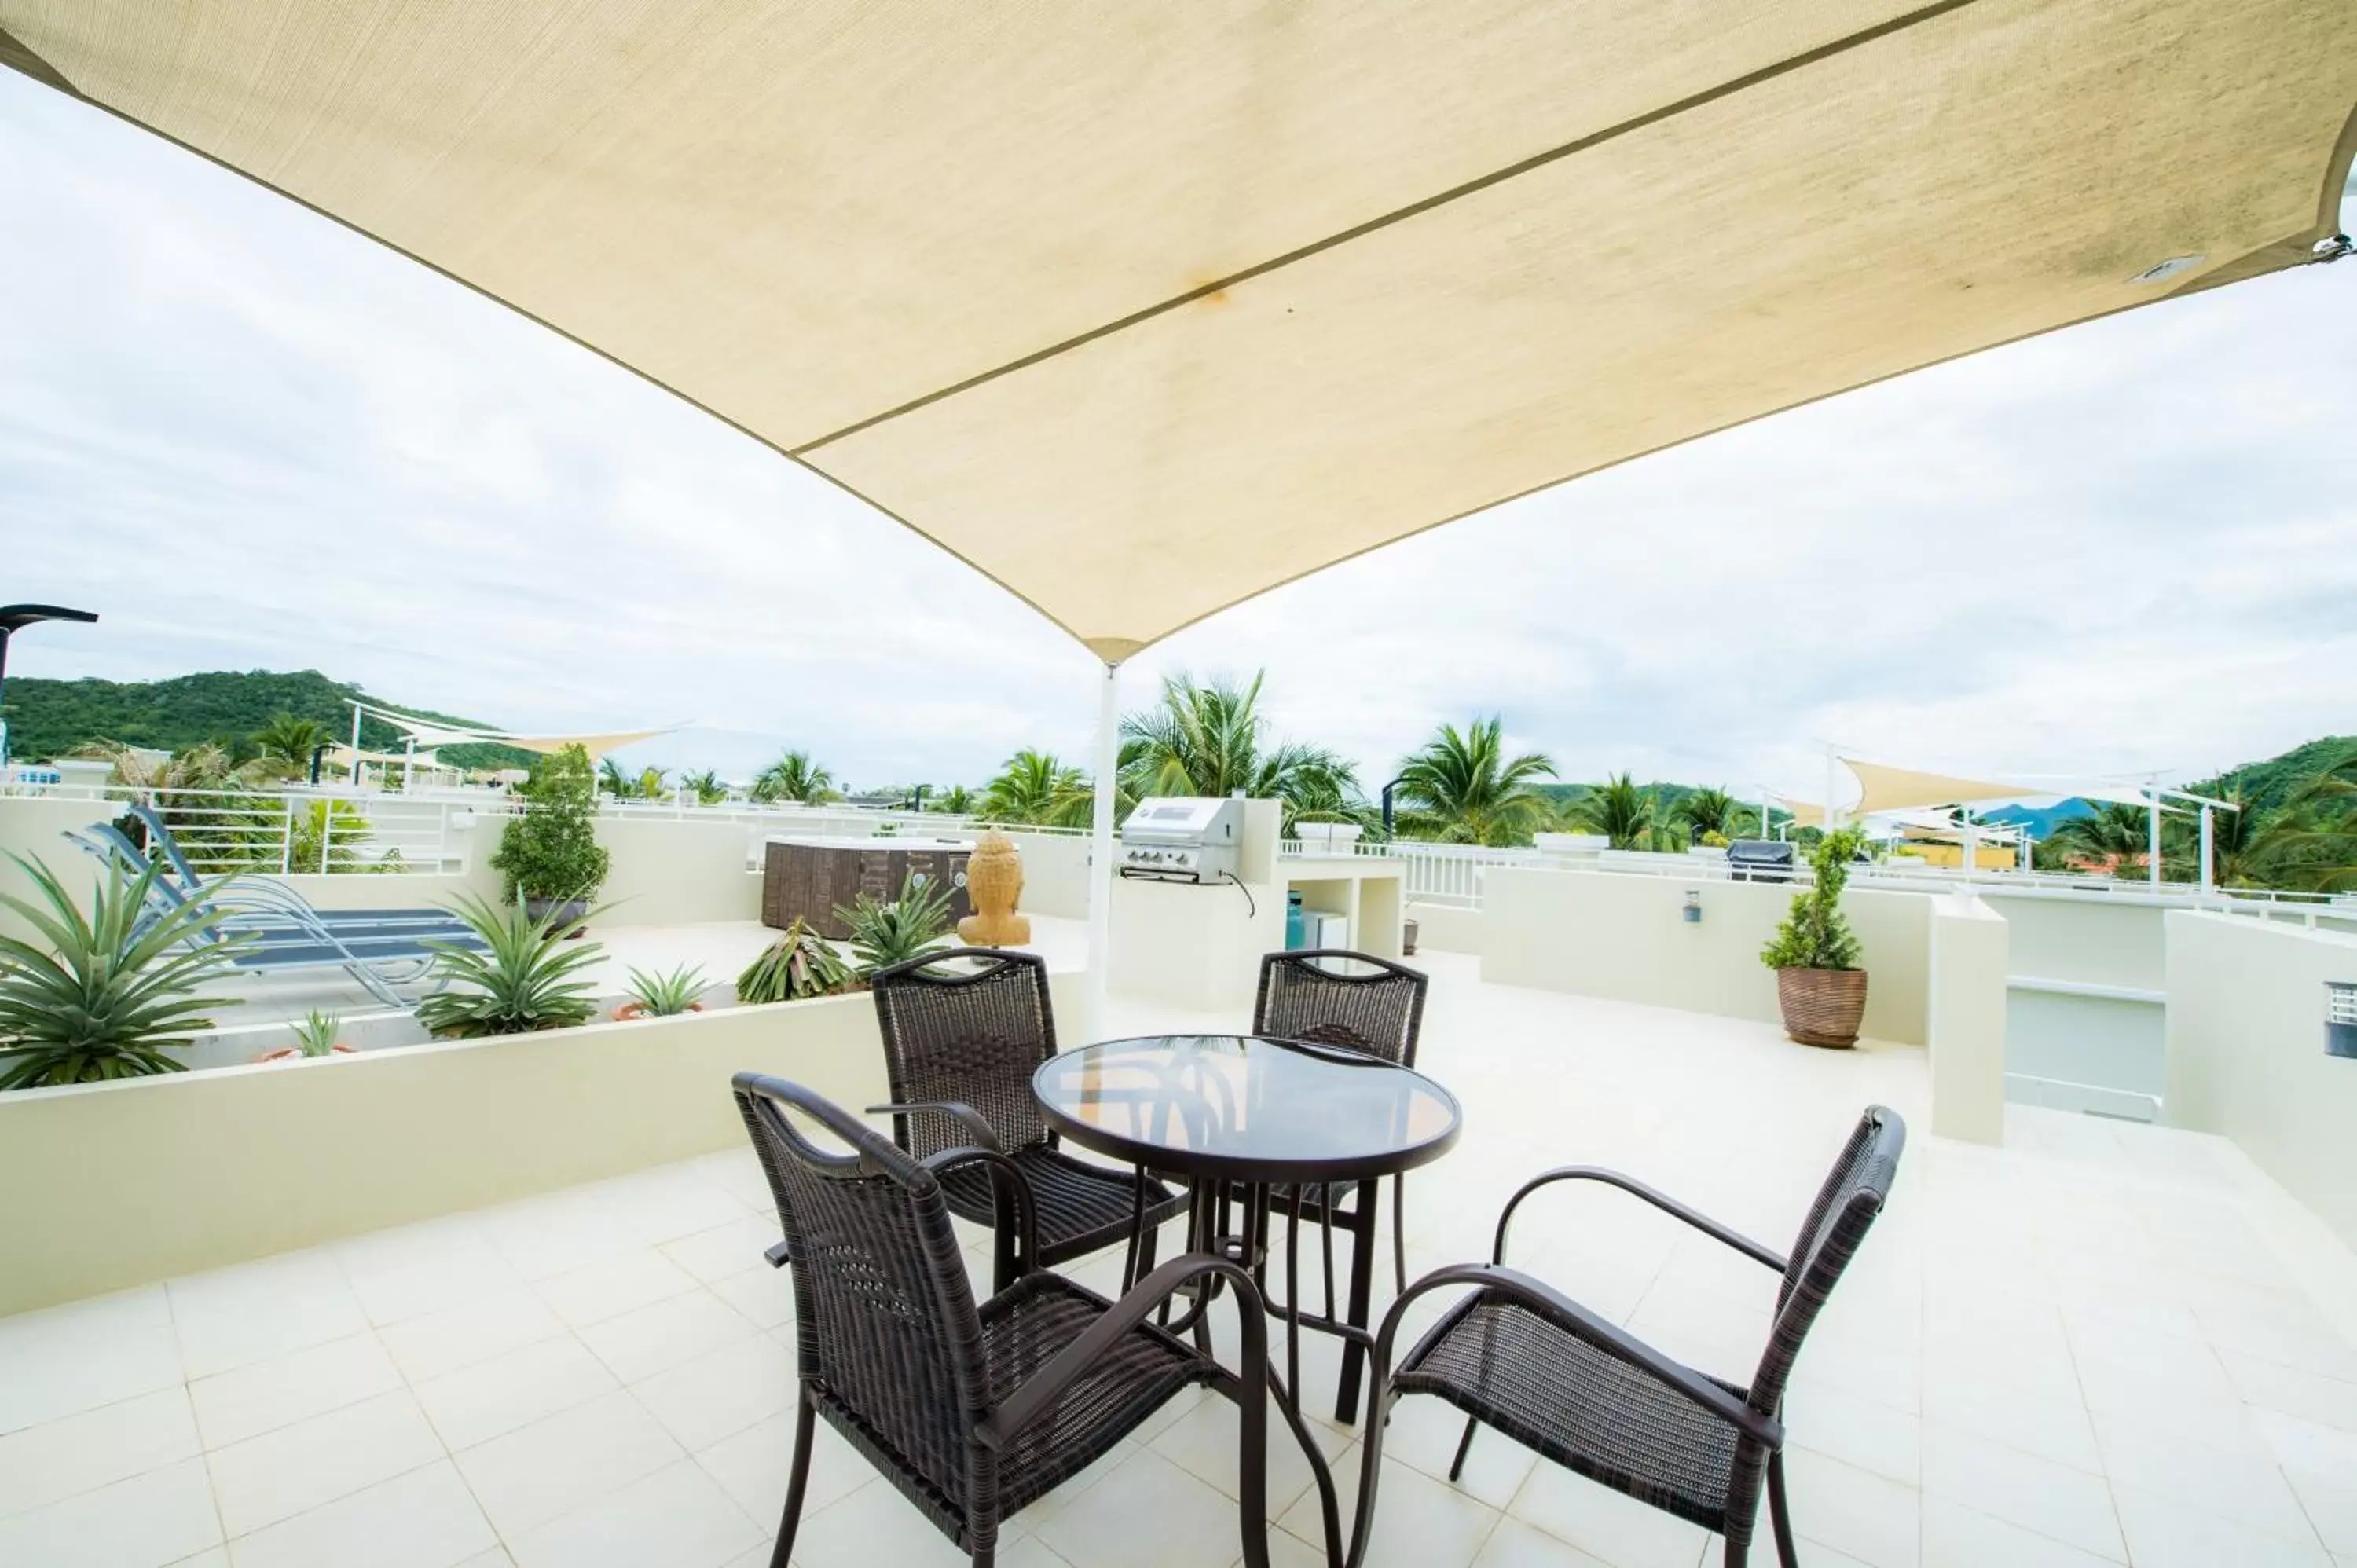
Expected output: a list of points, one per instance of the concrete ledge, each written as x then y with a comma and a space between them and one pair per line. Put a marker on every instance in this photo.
1966, 1024
119, 1184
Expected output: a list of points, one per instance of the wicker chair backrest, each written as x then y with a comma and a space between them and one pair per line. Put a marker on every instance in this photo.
884, 1316
1844, 1211
972, 1037
1377, 1009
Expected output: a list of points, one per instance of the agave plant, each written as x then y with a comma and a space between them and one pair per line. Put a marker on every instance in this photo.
802, 964
114, 991
315, 1034
527, 979
666, 995
882, 934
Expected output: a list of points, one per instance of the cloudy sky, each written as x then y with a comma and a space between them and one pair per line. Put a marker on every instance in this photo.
253, 440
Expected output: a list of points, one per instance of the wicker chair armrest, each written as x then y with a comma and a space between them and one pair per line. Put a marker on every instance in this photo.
1579, 1322
956, 1111
1765, 1256
1009, 1184
1039, 1393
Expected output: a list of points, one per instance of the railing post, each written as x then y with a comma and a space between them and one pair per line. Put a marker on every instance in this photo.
286, 838
326, 832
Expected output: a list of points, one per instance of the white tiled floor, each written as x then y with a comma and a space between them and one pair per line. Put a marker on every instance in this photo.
2103, 1344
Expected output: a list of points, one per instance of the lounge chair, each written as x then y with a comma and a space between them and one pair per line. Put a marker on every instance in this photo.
382, 949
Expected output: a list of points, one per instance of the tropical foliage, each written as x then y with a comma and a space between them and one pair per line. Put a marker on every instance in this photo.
549, 849
1619, 811
113, 990
1706, 812
669, 994
1212, 740
794, 776
291, 741
799, 964
884, 934
1038, 788
706, 787
528, 978
2115, 836
1815, 934
1462, 788
315, 1034
957, 800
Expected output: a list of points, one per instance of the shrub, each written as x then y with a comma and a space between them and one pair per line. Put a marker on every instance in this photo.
551, 850
526, 979
1814, 934
802, 964
884, 934
667, 995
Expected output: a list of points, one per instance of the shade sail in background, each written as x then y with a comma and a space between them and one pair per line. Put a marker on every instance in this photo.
1143, 310
1885, 788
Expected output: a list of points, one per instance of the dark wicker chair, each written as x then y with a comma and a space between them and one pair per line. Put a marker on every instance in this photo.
1374, 1006
960, 1047
1520, 1357
971, 1410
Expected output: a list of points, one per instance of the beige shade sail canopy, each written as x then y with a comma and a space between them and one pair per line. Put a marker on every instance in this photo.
1884, 789
1143, 310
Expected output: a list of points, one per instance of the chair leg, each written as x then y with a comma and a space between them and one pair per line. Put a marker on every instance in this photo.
1780, 1513
797, 1476
1737, 1556
1464, 1446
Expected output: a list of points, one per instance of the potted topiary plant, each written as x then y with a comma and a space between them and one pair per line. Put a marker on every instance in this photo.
549, 851
1820, 988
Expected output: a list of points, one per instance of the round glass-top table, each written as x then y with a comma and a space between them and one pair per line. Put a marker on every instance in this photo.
1244, 1108
1256, 1124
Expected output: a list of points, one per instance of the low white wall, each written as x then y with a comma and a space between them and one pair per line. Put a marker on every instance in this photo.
32, 826
1625, 936
2247, 1052
1055, 874
2088, 939
118, 1183
1445, 927
1966, 1022
676, 872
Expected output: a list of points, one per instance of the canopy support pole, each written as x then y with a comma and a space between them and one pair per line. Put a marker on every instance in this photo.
2209, 846
2152, 841
1100, 852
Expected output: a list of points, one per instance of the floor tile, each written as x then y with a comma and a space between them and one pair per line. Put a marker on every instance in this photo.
873, 1525
144, 1522
2330, 1503
71, 1359
678, 1517
1620, 1529
425, 1519
480, 1402
1958, 1537
2053, 1500
702, 1402
764, 1295
439, 1343
645, 1340
258, 1311
417, 1269
2051, 1429
2240, 1483
59, 1459
1419, 1522
2163, 1534
725, 1250
1871, 1436
753, 1466
1424, 1434
295, 1468
1869, 1517
1514, 1544
1100, 1525
564, 1462
1206, 1443
606, 1289
266, 1395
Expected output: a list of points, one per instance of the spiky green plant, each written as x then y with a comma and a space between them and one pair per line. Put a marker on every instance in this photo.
799, 964
1212, 740
1815, 934
1464, 788
882, 934
1618, 809
111, 994
315, 1034
666, 995
526, 979
709, 788
794, 776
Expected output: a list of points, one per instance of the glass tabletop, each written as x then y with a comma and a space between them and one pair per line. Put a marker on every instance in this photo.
1246, 1107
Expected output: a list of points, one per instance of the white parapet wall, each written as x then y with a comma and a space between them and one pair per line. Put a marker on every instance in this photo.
118, 1183
1966, 1019
2246, 1054
1603, 933
1447, 927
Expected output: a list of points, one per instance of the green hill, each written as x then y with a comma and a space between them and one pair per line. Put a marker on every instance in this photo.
2271, 783
48, 718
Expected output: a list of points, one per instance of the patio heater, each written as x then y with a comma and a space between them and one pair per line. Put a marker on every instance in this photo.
14, 618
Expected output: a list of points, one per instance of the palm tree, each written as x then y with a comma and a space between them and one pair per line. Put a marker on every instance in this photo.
1207, 740
290, 740
613, 781
654, 783
794, 776
2318, 833
2115, 835
709, 789
957, 800
1463, 783
1706, 810
1038, 788
1618, 809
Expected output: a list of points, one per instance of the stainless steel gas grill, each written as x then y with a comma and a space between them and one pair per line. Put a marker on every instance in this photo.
1176, 840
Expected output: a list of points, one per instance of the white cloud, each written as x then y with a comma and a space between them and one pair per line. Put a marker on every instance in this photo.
253, 439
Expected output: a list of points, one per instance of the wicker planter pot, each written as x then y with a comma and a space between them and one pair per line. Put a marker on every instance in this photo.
1821, 1006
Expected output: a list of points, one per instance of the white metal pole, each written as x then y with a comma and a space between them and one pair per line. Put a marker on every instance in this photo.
2209, 843
409, 764
2152, 842
1833, 766
356, 746
1100, 853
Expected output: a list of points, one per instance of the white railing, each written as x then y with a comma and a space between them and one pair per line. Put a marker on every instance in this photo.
301, 830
